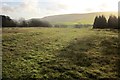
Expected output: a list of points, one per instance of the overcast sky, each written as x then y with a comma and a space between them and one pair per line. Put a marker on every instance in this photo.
41, 8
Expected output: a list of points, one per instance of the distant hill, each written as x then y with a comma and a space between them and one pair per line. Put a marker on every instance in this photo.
70, 19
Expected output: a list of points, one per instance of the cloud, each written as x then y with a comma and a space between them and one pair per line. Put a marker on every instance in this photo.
6, 8
30, 8
41, 8
30, 5
27, 8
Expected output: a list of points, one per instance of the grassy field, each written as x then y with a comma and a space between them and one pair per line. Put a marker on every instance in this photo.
60, 53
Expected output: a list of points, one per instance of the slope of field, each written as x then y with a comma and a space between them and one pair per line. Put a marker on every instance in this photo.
70, 19
60, 53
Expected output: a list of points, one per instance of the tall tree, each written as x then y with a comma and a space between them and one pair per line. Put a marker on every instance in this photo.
7, 21
100, 22
103, 22
95, 24
113, 22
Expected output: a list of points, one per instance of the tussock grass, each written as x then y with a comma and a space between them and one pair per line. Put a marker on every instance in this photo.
60, 53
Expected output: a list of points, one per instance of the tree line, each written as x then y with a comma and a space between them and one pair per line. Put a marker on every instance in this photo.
101, 22
6, 21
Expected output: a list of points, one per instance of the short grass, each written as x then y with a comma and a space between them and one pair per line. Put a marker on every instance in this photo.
60, 53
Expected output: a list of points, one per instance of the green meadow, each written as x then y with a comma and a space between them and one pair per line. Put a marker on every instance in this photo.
60, 53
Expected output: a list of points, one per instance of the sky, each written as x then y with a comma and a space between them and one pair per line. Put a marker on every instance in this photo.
40, 8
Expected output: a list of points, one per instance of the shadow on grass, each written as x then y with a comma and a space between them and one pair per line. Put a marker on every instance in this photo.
78, 52
71, 61
75, 52
110, 47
